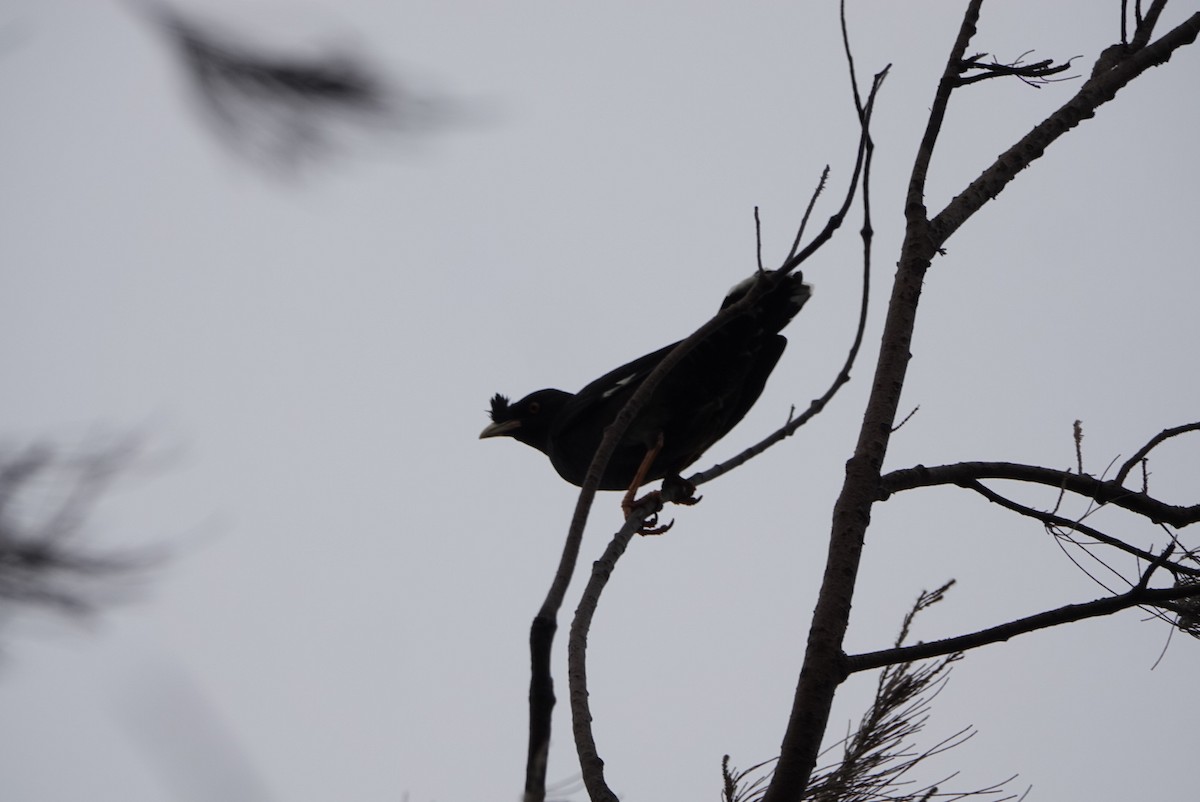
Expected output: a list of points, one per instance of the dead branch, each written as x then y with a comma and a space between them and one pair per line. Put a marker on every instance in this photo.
1099, 490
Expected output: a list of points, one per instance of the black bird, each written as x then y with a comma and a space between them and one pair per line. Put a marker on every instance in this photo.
694, 406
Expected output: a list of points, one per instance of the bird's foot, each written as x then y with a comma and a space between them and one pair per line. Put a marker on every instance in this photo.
675, 489
680, 491
650, 522
648, 526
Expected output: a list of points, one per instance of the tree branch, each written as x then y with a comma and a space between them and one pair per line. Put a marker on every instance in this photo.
1098, 90
1135, 597
914, 210
822, 670
1165, 434
843, 376
591, 766
821, 674
1103, 492
812, 201
1145, 25
1050, 519
1035, 75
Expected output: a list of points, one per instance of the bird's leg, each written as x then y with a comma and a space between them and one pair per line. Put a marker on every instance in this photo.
628, 503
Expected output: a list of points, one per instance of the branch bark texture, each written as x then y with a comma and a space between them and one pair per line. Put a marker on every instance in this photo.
825, 664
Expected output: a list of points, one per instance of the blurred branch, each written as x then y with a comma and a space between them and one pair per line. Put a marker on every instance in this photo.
281, 109
44, 501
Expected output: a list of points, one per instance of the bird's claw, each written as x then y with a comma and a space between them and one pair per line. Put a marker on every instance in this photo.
649, 526
649, 523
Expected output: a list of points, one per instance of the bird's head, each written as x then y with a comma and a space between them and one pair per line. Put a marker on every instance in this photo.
528, 420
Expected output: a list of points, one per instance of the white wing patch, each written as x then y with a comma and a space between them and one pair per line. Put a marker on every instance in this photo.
619, 385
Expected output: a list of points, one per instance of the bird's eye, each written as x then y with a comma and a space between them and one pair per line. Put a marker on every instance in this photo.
534, 407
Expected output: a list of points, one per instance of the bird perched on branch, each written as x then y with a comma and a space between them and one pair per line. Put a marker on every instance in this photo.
696, 404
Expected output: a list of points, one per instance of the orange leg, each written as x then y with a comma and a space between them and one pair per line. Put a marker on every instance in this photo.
639, 478
629, 502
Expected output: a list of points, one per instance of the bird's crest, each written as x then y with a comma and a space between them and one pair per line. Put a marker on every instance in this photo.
499, 408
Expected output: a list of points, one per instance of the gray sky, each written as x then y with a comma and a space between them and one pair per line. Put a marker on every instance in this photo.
308, 361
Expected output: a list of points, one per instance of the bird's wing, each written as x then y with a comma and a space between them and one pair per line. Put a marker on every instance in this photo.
611, 390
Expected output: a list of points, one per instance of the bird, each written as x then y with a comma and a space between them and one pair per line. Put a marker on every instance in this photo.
696, 404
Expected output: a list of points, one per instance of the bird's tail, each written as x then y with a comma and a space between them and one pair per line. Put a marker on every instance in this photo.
781, 303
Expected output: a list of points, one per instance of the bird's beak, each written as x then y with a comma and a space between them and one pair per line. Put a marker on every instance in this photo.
500, 429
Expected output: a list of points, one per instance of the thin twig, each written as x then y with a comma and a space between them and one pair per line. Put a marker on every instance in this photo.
906, 418
758, 240
1035, 75
843, 376
1050, 519
812, 201
1140, 454
1095, 92
1103, 492
1078, 432
1145, 24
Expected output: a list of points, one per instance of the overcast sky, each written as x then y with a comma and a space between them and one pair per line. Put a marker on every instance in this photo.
307, 361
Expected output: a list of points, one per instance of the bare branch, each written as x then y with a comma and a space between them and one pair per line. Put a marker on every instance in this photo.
843, 376
1145, 24
1098, 90
812, 201
1139, 456
44, 503
581, 716
820, 674
1155, 564
1078, 432
880, 754
1050, 519
758, 241
1035, 75
914, 210
1136, 597
1104, 492
906, 418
